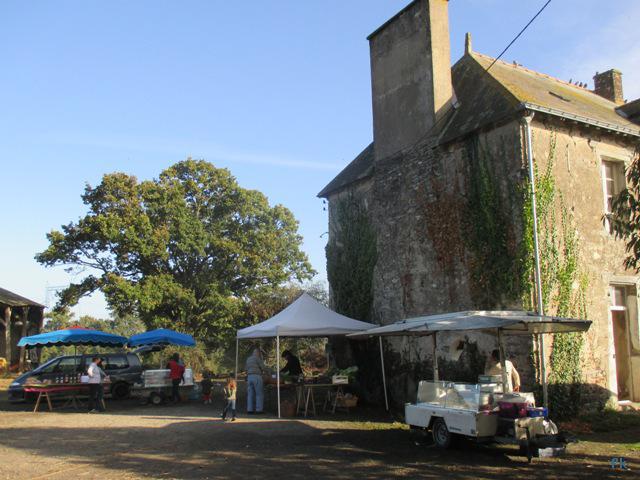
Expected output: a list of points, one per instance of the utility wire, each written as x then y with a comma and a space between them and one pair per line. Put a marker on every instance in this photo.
518, 36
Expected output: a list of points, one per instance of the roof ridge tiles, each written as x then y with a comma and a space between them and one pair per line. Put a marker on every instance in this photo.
535, 72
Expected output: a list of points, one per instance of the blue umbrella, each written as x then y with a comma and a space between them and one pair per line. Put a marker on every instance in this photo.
73, 336
162, 336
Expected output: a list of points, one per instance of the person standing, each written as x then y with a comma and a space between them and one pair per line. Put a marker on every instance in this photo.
255, 368
206, 386
495, 368
230, 390
292, 367
176, 374
96, 390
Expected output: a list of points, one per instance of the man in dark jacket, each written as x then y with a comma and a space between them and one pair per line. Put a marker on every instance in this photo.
292, 367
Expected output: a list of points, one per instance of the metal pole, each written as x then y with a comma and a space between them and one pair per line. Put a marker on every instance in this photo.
384, 377
536, 247
436, 375
503, 361
278, 369
236, 377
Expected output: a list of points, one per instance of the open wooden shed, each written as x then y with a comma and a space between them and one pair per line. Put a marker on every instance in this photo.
19, 317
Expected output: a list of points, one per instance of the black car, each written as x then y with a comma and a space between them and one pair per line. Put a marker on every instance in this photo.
124, 369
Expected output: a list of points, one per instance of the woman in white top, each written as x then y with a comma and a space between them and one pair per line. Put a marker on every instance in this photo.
96, 392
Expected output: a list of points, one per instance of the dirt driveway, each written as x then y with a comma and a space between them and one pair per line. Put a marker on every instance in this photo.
190, 441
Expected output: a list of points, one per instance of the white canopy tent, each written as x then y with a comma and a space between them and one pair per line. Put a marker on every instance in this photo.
305, 317
507, 322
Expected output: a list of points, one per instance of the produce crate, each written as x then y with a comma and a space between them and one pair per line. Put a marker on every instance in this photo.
340, 379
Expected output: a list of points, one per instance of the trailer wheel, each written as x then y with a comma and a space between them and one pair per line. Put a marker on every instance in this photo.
155, 398
442, 437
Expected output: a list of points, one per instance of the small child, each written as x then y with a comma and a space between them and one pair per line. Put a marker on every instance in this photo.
230, 396
206, 385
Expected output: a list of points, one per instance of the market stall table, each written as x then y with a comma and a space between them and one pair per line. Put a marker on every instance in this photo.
307, 395
45, 391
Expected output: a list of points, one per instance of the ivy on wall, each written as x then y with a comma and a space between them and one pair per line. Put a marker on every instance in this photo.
502, 268
351, 257
564, 283
497, 262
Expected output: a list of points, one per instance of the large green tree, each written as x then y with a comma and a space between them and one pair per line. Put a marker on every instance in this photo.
625, 214
187, 250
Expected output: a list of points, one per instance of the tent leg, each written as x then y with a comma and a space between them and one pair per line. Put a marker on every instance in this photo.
503, 361
278, 370
236, 377
436, 375
384, 377
543, 372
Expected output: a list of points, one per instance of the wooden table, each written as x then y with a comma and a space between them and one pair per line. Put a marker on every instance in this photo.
45, 391
307, 396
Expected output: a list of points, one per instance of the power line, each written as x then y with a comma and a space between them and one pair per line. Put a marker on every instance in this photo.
518, 36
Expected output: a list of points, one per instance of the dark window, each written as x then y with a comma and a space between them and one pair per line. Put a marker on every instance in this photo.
49, 368
68, 365
117, 362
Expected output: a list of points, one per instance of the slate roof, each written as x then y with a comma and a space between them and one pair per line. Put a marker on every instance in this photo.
489, 98
486, 97
631, 110
15, 300
360, 168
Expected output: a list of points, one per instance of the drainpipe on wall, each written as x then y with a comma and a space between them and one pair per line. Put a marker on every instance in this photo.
526, 122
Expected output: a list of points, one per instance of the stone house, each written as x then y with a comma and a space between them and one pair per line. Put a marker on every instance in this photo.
442, 195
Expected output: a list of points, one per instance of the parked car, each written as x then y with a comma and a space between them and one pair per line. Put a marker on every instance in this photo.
124, 369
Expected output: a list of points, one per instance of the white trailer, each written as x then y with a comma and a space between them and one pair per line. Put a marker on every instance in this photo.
448, 409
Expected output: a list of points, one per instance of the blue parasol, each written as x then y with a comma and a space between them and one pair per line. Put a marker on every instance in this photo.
73, 336
162, 336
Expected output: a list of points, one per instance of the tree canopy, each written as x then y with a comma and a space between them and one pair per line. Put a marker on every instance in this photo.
187, 250
625, 214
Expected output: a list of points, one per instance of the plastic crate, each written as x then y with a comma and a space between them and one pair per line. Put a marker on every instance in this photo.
340, 379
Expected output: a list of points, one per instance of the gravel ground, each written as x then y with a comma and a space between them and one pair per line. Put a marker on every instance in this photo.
191, 441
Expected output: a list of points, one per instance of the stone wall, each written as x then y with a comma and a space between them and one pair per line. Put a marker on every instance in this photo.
419, 204
578, 174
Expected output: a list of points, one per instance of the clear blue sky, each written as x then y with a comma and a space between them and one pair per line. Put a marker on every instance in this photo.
278, 92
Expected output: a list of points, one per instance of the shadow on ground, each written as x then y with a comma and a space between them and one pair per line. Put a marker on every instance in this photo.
271, 449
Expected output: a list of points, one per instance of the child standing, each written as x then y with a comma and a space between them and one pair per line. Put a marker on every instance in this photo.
206, 385
230, 396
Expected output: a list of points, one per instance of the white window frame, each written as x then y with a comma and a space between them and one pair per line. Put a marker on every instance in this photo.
616, 184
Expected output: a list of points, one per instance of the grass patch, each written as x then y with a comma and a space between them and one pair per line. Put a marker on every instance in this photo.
379, 425
610, 420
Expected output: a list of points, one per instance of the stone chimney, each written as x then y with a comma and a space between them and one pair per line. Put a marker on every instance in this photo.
609, 85
410, 75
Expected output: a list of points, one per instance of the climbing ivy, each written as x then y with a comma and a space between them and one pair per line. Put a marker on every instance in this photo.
502, 268
498, 271
351, 257
563, 283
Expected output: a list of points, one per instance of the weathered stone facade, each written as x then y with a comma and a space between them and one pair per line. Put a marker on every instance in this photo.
425, 195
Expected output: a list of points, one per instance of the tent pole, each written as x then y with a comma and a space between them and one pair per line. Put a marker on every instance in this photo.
278, 369
384, 377
236, 377
436, 375
503, 361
